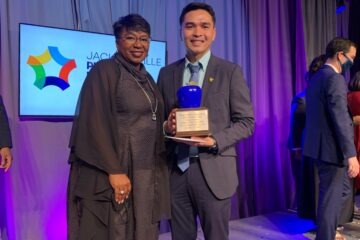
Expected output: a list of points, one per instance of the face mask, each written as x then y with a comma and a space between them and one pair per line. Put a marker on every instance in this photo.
346, 65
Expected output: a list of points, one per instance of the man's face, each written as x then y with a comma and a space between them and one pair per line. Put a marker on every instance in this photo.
351, 54
198, 32
133, 46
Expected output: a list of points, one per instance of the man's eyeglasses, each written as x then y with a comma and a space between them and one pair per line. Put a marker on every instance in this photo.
133, 39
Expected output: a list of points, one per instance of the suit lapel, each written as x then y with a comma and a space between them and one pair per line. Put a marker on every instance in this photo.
178, 77
209, 78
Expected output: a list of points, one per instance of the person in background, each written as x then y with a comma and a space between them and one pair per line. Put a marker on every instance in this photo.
119, 185
354, 106
5, 139
329, 138
302, 167
204, 176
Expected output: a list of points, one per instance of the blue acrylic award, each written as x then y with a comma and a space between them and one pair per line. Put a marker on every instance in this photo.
191, 118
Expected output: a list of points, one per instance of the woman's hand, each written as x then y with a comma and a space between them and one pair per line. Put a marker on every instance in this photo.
121, 185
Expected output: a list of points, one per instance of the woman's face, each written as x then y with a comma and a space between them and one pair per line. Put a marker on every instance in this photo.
133, 46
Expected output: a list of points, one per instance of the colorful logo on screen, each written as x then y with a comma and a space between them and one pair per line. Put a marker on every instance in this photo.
67, 65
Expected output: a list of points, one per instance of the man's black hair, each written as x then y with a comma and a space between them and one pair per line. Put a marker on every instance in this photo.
197, 6
338, 44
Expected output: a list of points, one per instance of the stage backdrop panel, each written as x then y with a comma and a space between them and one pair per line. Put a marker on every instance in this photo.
54, 63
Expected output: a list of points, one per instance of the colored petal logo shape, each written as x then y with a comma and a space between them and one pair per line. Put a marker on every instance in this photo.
41, 80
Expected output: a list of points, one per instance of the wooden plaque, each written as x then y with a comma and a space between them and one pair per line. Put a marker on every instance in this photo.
192, 122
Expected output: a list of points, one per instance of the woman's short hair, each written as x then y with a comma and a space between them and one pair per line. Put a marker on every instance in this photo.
131, 22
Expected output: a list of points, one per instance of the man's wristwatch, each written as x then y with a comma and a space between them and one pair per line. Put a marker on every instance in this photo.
214, 148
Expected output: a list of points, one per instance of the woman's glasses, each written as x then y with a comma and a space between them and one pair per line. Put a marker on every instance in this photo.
132, 39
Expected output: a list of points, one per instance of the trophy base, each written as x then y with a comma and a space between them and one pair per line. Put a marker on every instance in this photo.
192, 134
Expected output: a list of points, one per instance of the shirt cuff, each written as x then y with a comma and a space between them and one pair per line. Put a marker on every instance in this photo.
164, 132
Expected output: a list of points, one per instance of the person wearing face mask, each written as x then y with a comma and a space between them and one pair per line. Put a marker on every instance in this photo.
329, 137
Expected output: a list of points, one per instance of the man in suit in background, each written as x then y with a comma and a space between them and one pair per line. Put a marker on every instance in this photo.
5, 138
329, 138
203, 176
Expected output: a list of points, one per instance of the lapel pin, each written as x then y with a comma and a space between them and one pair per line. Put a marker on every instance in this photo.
211, 79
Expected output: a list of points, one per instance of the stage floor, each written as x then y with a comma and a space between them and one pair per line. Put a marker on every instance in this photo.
277, 226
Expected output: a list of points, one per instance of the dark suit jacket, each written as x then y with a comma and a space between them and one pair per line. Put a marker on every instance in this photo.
231, 118
297, 121
5, 136
329, 128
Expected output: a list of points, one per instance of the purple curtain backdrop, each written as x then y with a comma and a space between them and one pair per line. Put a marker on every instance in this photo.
265, 37
264, 166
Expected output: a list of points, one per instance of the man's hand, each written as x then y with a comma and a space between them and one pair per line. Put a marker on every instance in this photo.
356, 120
199, 141
204, 141
353, 170
6, 158
121, 185
170, 125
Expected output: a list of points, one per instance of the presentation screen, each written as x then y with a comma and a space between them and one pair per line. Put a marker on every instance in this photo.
54, 62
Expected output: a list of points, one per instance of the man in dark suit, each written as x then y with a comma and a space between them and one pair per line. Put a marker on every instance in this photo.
204, 186
5, 138
329, 138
